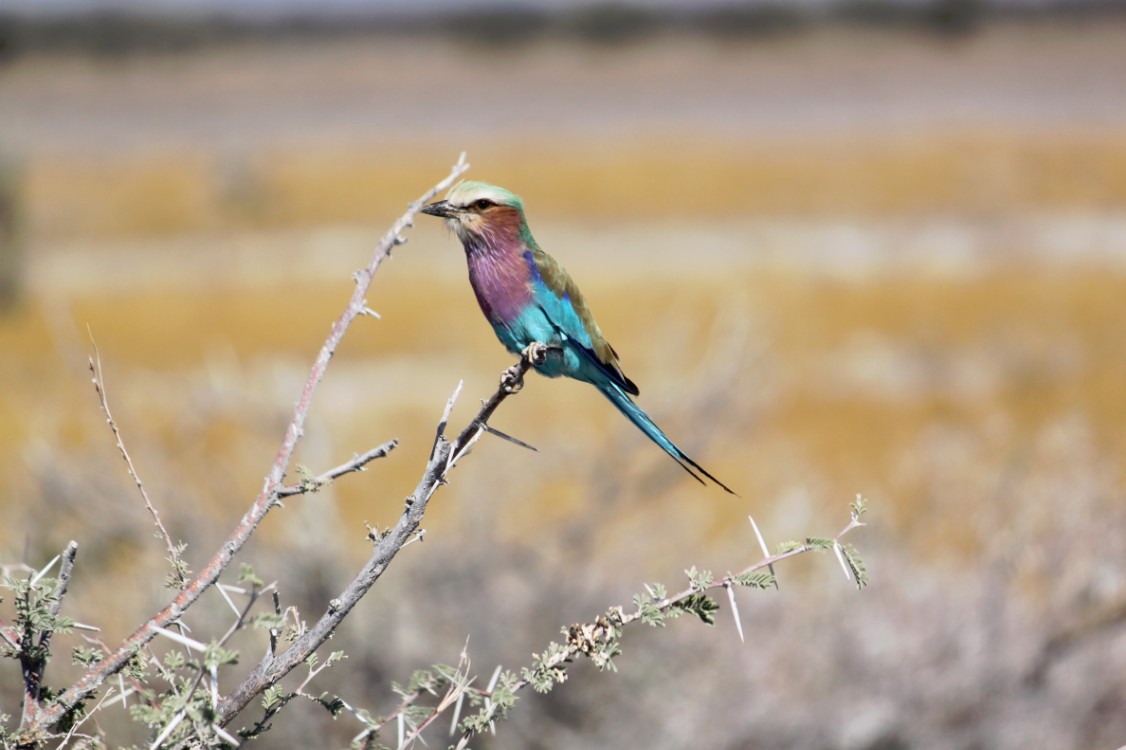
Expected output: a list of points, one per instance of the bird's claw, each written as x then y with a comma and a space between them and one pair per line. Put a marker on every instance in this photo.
535, 353
512, 380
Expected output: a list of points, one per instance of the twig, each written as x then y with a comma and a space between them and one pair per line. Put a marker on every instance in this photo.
33, 661
456, 688
458, 685
65, 572
356, 464
95, 361
193, 590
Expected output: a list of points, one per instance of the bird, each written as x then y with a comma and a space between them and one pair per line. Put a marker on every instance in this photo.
529, 298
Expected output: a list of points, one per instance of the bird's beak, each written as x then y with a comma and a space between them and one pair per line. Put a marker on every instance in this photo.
442, 209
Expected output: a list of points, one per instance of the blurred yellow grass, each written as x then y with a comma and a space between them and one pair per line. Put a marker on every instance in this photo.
971, 172
851, 436
1011, 349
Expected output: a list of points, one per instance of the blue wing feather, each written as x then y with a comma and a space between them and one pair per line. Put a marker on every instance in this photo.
568, 330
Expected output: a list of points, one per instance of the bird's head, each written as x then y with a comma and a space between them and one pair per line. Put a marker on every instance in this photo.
479, 212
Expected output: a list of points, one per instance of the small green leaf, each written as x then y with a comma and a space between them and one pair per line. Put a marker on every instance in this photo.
699, 579
819, 543
174, 661
701, 605
758, 579
217, 656
247, 575
856, 565
86, 656
267, 621
271, 697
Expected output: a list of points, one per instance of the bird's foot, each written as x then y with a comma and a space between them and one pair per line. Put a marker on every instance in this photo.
512, 379
535, 353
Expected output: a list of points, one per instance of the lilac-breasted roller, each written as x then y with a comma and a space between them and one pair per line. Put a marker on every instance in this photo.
528, 297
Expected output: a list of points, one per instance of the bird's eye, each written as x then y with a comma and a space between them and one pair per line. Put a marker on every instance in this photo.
482, 204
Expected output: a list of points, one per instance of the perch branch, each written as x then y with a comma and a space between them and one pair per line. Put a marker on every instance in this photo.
273, 668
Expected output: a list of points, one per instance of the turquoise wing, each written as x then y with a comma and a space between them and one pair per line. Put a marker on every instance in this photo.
565, 312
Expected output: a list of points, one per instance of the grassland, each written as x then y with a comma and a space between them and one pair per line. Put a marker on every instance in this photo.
930, 314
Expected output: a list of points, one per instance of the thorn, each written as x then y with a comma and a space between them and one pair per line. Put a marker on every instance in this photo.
457, 712
493, 680
168, 729
765, 550
225, 735
509, 438
181, 639
841, 559
735, 610
488, 701
35, 579
417, 537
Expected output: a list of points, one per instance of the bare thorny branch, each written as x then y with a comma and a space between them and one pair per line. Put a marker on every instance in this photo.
39, 719
178, 567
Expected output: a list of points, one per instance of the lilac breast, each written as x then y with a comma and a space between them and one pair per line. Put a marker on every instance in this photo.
500, 280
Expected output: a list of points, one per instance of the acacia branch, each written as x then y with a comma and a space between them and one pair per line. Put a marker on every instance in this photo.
442, 458
93, 679
591, 638
33, 658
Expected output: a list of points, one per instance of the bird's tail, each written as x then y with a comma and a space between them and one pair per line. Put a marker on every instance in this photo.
625, 404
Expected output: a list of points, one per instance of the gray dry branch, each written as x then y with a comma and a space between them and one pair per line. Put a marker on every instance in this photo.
443, 456
40, 719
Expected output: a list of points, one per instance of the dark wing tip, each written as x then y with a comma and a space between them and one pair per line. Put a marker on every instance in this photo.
628, 385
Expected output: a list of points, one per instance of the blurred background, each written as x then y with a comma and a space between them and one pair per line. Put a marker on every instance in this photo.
857, 246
